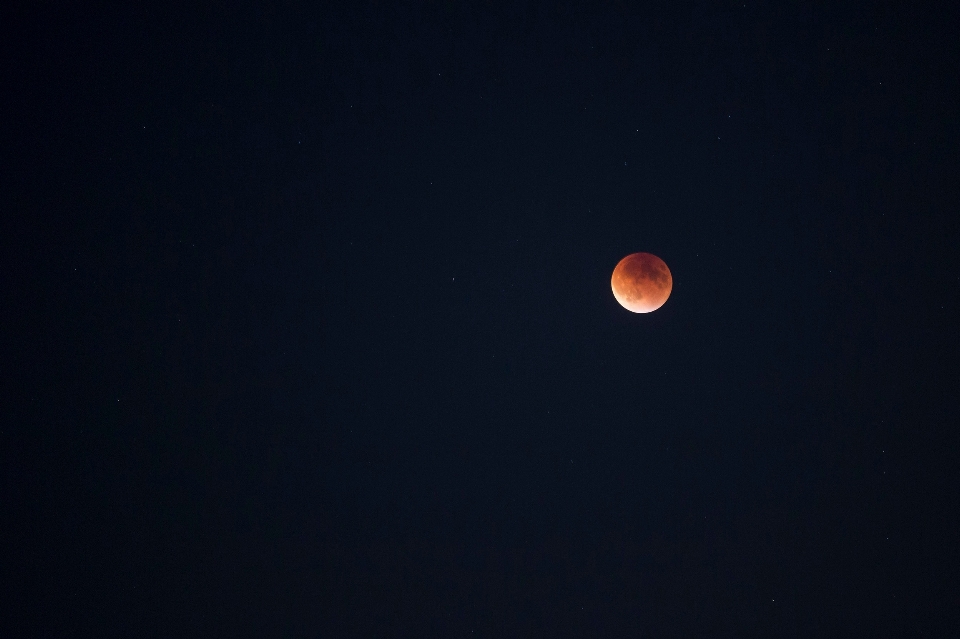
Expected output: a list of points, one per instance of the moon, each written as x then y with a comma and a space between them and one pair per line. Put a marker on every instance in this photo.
641, 282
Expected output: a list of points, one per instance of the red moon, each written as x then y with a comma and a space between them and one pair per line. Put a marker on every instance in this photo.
641, 282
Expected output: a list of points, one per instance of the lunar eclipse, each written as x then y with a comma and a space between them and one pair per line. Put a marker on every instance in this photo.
641, 282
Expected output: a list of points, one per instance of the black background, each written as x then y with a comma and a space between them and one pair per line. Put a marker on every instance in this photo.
308, 328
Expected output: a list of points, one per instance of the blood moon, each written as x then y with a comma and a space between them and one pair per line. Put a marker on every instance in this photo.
641, 282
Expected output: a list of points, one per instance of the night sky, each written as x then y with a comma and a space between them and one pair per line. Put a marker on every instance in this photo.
308, 328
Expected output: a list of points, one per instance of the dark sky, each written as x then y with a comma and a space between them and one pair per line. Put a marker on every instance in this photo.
308, 329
